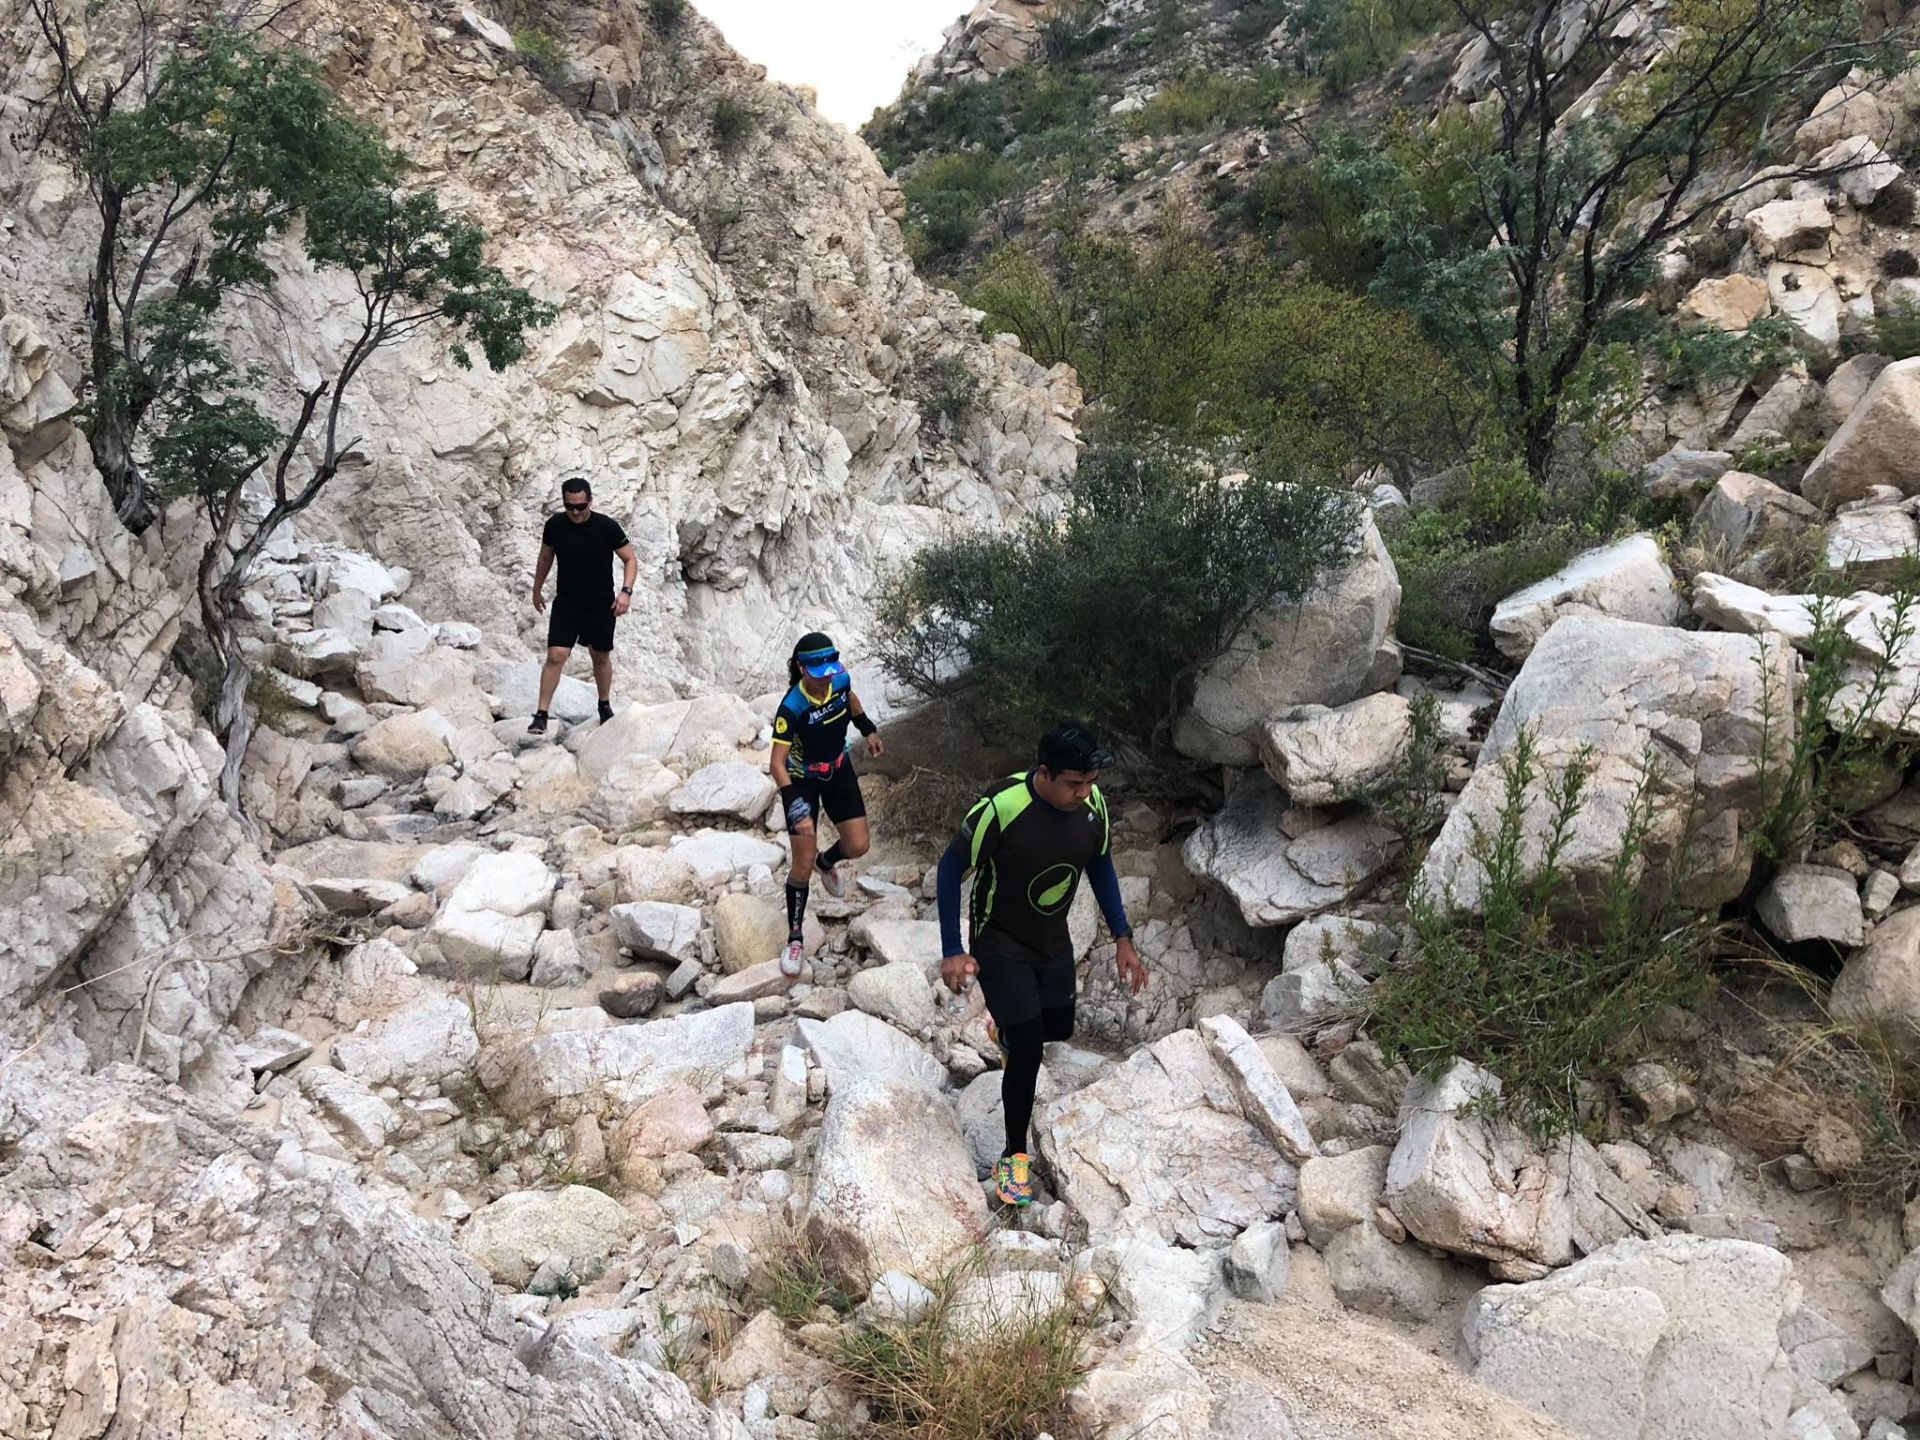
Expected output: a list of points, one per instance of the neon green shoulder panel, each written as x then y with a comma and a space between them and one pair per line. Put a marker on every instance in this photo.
1007, 804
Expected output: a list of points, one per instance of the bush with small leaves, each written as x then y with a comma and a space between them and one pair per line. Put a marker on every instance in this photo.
1109, 609
1550, 1006
734, 121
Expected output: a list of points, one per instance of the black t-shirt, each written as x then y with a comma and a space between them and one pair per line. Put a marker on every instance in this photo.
1027, 859
583, 556
816, 731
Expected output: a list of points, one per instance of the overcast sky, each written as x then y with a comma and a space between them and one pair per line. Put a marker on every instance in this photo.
855, 53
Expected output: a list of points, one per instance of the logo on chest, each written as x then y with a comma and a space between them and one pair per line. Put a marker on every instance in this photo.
1050, 890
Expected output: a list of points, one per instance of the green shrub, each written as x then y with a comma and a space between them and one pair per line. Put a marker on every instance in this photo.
666, 15
1110, 609
1178, 340
1896, 332
1071, 35
1850, 715
734, 121
946, 196
1462, 555
1708, 355
1548, 1006
950, 1376
952, 392
1208, 100
538, 50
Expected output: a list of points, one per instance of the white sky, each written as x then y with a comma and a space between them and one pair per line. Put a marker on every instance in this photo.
855, 53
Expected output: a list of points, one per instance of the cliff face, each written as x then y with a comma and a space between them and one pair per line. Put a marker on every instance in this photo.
739, 364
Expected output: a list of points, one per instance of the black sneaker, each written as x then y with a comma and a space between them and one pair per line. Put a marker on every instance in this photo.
538, 725
606, 711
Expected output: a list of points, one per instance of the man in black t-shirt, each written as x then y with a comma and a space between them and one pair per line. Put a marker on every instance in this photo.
584, 603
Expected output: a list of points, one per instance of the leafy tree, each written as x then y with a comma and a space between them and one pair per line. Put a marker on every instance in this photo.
1110, 608
1183, 342
1522, 238
947, 195
234, 146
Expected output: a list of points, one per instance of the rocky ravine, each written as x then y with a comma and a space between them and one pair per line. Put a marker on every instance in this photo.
466, 1098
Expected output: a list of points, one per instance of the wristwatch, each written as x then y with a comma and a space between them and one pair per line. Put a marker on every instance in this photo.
626, 589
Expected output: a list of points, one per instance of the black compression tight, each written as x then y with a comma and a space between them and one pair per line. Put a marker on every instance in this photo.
1022, 1044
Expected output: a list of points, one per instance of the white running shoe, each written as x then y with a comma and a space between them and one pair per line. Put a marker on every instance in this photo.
834, 881
793, 959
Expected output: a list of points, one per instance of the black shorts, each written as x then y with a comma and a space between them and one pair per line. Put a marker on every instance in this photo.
837, 794
1018, 982
571, 621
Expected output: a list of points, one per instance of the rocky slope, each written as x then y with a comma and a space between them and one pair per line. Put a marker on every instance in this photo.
461, 1096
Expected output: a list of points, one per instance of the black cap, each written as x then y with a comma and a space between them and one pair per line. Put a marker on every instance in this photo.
1073, 746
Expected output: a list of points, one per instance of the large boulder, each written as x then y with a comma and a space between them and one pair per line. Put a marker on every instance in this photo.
727, 787
704, 729
1879, 986
1322, 756
572, 1072
1872, 544
1878, 445
1628, 580
657, 930
493, 919
1161, 1146
521, 1231
1475, 1184
1699, 708
1321, 651
431, 1044
1745, 518
893, 1179
406, 746
1279, 865
1812, 902
1670, 1336
748, 930
717, 856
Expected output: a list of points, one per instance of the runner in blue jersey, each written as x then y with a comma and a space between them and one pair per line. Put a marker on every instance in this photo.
814, 771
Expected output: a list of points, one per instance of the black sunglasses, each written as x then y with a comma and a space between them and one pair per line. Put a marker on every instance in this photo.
581, 506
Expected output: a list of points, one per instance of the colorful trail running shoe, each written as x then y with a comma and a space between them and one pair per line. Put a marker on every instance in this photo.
793, 959
1013, 1180
833, 880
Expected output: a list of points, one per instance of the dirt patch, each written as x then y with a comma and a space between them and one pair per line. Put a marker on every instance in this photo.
1344, 1378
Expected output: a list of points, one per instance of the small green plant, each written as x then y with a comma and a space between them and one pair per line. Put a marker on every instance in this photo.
954, 1375
952, 392
1410, 800
1706, 355
794, 1281
1854, 706
666, 15
1896, 332
272, 705
1547, 995
539, 50
734, 121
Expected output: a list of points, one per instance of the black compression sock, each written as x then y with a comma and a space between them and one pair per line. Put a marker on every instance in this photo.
832, 858
796, 910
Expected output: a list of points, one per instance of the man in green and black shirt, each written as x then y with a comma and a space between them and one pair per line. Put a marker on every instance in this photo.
1028, 840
